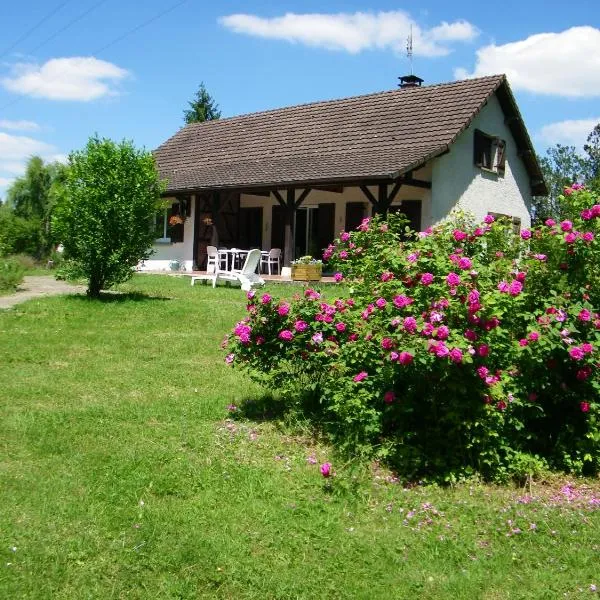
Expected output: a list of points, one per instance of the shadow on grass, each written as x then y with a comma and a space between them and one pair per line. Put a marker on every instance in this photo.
264, 408
115, 297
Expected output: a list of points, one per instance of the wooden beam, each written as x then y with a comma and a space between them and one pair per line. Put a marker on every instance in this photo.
302, 197
334, 189
419, 183
289, 218
279, 198
383, 201
367, 192
395, 190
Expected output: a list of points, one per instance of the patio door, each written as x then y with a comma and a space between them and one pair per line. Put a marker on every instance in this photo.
314, 229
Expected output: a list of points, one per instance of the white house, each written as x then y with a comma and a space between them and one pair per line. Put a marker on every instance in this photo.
294, 177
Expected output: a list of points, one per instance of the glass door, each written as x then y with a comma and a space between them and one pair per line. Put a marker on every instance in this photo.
306, 232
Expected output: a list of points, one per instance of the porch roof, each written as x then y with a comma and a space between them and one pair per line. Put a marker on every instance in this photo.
378, 136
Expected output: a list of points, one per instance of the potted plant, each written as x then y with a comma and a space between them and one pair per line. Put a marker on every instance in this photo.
307, 268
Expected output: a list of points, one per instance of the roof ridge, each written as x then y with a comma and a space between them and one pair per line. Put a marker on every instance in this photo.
498, 77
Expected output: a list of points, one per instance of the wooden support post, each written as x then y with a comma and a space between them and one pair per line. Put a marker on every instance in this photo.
383, 201
216, 217
289, 219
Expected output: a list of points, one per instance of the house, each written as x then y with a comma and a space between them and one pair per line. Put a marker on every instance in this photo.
294, 177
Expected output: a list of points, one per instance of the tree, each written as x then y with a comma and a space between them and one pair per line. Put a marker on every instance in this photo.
592, 149
33, 196
202, 108
561, 166
104, 220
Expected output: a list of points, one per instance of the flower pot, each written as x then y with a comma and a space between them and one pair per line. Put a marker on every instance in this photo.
307, 272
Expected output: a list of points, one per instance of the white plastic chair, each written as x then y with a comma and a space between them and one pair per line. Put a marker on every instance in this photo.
271, 259
212, 260
246, 276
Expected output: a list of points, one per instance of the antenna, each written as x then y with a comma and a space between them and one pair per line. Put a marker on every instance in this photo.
409, 50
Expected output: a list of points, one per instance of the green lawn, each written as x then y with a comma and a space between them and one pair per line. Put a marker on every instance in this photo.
122, 476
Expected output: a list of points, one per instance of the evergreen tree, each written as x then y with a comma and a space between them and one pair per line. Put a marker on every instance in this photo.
202, 108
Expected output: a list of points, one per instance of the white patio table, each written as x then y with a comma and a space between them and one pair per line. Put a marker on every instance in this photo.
232, 256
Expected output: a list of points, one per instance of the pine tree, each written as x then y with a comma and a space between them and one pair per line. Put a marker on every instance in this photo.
202, 108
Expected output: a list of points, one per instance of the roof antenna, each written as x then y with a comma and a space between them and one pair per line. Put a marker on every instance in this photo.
409, 49
409, 81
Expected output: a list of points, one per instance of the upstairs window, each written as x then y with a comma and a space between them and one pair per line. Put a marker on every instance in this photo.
489, 152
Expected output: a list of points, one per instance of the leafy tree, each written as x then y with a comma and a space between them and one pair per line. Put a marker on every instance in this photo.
561, 166
33, 196
104, 219
592, 149
202, 108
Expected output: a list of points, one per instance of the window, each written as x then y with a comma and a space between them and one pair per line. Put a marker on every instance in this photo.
489, 152
169, 224
515, 221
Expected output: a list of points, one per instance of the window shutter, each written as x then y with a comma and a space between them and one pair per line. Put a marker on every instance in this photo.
500, 155
478, 148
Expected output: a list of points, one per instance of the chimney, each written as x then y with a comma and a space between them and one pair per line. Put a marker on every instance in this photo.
409, 81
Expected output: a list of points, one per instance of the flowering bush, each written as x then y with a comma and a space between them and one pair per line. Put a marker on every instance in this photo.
463, 349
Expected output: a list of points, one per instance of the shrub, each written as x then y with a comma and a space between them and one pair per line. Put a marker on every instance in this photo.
464, 349
104, 220
11, 274
18, 235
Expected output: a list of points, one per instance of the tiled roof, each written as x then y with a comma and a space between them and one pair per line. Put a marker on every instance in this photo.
374, 136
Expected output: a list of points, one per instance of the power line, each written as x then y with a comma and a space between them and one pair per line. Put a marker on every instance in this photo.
111, 43
142, 25
32, 29
68, 25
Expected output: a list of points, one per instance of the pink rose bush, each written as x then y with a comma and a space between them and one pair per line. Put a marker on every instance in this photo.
461, 349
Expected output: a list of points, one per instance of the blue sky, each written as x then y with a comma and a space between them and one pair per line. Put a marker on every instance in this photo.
73, 75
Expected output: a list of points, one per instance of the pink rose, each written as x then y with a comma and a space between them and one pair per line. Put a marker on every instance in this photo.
286, 335
459, 235
405, 358
515, 288
588, 236
525, 234
387, 343
483, 350
584, 406
453, 279
427, 279
344, 236
338, 277
570, 237
387, 276
362, 375
488, 219
410, 324
283, 309
265, 299
465, 263
456, 355
576, 353
325, 469
389, 397
550, 222
341, 327
300, 326
566, 225
380, 302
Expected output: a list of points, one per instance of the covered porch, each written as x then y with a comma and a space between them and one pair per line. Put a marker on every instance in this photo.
300, 219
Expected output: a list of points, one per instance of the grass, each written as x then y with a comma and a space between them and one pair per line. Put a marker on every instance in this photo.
122, 475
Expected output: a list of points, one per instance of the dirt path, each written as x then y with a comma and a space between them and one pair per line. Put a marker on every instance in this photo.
35, 286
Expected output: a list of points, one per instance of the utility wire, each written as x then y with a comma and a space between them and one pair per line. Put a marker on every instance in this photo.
68, 25
113, 42
32, 29
140, 26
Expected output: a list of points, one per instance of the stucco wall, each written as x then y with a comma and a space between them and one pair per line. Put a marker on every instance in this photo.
458, 182
164, 253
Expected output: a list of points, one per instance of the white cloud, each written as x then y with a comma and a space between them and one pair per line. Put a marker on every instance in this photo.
354, 32
76, 78
19, 125
559, 64
14, 152
20, 146
572, 132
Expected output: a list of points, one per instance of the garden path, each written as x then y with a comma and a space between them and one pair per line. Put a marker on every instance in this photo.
35, 286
